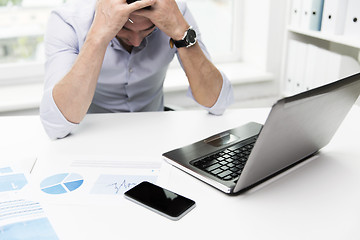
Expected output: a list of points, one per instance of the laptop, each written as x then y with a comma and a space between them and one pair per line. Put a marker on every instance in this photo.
297, 127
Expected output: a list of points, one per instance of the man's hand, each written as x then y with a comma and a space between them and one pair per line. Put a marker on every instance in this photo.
73, 93
204, 78
111, 16
166, 15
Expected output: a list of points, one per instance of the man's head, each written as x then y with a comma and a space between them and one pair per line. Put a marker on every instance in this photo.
133, 33
135, 30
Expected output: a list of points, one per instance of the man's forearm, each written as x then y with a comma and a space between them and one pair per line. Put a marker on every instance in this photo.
74, 93
204, 78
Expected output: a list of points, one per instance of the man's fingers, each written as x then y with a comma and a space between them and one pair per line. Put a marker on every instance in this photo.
142, 12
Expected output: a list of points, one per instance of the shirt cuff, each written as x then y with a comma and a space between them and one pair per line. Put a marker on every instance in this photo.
225, 99
55, 124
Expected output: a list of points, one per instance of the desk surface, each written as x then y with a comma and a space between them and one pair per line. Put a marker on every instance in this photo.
318, 200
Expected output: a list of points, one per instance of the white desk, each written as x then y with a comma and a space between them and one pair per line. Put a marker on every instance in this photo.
318, 200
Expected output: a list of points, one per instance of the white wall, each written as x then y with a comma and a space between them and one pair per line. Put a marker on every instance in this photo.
256, 32
264, 29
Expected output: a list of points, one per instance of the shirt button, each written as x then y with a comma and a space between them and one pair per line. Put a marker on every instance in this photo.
130, 70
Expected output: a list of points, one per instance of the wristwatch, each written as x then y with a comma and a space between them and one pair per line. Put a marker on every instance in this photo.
188, 40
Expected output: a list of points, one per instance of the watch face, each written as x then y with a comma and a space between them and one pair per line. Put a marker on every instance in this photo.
191, 36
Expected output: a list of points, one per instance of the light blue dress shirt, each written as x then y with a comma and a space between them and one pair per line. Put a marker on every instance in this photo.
128, 82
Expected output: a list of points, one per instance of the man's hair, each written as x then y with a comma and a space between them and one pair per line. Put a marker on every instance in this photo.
131, 1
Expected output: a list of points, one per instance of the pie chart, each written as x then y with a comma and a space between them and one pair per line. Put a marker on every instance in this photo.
61, 183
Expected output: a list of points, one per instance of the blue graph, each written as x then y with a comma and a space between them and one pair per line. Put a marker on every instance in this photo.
61, 183
118, 184
11, 182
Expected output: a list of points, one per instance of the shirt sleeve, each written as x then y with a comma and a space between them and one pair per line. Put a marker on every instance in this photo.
55, 124
225, 98
61, 49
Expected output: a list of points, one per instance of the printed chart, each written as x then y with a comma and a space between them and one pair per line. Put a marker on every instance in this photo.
24, 219
118, 184
61, 183
12, 182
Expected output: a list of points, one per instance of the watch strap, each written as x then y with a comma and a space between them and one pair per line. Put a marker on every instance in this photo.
183, 42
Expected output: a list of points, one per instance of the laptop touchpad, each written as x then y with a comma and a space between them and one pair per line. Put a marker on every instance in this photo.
221, 139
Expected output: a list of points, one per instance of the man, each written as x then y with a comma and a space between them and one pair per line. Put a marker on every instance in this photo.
110, 56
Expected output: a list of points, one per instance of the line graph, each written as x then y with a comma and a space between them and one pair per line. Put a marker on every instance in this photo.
122, 186
118, 184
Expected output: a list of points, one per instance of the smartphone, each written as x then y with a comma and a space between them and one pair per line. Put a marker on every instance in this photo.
160, 200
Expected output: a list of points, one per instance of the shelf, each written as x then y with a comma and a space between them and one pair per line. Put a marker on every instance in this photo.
315, 57
340, 39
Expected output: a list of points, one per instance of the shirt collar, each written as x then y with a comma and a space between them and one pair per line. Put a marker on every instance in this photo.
114, 43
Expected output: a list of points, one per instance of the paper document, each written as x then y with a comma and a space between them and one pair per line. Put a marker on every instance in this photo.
10, 181
20, 218
99, 180
23, 219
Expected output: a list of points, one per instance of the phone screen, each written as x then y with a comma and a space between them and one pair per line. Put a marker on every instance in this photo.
160, 200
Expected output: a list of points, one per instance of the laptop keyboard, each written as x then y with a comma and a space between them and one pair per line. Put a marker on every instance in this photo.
228, 163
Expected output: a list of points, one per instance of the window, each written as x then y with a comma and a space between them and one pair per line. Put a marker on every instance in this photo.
23, 22
220, 25
22, 27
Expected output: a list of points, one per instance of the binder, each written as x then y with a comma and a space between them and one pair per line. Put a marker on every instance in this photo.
334, 14
295, 67
348, 66
352, 20
295, 15
290, 68
305, 16
333, 61
301, 57
314, 71
316, 15
322, 67
339, 66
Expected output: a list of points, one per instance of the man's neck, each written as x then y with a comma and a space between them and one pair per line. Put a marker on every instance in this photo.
126, 46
